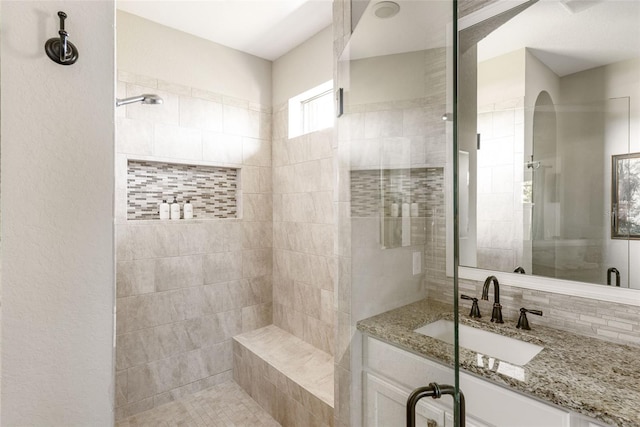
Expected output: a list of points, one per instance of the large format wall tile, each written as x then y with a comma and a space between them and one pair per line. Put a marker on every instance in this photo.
222, 267
200, 114
303, 233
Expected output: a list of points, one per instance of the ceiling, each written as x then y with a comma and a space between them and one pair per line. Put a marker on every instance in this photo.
264, 28
571, 35
419, 25
567, 35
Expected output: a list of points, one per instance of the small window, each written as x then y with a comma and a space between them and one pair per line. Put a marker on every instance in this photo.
312, 110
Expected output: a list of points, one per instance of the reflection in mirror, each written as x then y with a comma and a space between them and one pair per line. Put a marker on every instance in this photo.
625, 202
557, 97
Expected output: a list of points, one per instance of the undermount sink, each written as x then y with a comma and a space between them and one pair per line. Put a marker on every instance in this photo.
487, 343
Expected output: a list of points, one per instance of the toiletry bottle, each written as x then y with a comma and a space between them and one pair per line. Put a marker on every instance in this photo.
175, 209
395, 209
164, 210
414, 209
405, 208
188, 210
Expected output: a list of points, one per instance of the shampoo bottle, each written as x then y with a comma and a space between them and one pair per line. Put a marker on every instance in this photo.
405, 208
188, 210
414, 209
175, 209
394, 209
164, 210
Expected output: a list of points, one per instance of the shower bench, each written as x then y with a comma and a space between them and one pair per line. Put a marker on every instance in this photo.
289, 378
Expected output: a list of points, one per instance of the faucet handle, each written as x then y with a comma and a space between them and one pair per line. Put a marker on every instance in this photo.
523, 322
475, 310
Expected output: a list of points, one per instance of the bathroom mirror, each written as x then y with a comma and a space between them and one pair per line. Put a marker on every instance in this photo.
549, 117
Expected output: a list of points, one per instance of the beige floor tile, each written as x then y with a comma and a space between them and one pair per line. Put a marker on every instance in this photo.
224, 405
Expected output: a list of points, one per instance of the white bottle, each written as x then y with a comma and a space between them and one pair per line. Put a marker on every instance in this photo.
406, 208
188, 210
414, 209
394, 209
164, 210
175, 209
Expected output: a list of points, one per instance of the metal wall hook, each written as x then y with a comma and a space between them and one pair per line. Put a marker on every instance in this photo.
60, 49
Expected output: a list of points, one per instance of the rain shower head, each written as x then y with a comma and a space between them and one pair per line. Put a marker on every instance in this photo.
146, 98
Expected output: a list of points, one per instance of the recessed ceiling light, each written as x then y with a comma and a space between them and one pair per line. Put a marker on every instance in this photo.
386, 9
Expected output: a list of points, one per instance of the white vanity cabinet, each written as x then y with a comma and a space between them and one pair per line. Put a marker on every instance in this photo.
391, 373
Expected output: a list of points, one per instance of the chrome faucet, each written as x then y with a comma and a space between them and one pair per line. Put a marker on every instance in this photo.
496, 314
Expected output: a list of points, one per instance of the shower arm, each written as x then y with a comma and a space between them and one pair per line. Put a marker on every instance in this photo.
121, 102
145, 98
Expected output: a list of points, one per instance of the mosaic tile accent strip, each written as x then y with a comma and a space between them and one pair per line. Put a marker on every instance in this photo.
365, 193
424, 186
211, 190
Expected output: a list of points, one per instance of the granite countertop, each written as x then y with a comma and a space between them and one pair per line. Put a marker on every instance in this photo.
586, 375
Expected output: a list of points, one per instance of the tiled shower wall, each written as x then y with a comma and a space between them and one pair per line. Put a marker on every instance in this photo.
303, 230
184, 288
342, 252
501, 208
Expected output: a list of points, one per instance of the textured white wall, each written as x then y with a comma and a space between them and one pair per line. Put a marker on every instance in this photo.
190, 60
57, 216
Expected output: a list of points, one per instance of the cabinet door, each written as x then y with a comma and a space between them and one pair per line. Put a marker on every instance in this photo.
386, 405
470, 421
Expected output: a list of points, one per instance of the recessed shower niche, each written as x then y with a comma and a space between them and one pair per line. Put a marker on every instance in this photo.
211, 190
407, 201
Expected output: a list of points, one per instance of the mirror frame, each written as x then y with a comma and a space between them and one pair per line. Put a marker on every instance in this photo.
625, 296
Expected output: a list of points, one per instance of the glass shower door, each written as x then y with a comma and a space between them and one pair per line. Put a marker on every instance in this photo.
395, 188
